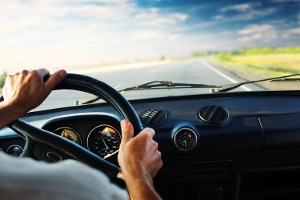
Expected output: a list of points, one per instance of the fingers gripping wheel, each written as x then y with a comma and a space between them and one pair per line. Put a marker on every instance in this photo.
38, 140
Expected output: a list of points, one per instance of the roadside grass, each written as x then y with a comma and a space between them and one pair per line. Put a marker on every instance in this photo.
276, 64
261, 63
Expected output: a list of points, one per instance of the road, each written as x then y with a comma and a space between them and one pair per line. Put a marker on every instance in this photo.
188, 71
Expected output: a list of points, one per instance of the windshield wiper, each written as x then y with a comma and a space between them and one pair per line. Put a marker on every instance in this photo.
228, 87
148, 86
171, 85
166, 85
286, 79
215, 88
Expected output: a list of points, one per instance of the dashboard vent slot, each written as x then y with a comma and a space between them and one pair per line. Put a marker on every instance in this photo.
213, 114
153, 118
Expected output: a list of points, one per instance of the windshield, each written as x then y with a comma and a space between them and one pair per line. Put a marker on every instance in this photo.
127, 43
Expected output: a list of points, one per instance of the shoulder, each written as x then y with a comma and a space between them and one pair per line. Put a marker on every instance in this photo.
70, 179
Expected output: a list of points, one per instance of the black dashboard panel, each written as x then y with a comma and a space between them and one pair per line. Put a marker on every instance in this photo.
281, 130
236, 158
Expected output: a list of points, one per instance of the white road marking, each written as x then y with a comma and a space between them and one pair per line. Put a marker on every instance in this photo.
221, 74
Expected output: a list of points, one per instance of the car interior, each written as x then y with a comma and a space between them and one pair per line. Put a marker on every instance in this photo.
223, 146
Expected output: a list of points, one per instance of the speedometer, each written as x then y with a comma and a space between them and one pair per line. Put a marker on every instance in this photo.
104, 140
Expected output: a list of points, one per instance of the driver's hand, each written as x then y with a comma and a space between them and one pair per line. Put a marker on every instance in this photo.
26, 90
139, 155
139, 159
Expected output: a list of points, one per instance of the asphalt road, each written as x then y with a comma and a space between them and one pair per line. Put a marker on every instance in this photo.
188, 71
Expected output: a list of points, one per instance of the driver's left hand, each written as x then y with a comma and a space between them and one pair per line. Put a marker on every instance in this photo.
26, 90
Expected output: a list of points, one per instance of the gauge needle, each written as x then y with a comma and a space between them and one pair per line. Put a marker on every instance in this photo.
111, 154
104, 142
184, 142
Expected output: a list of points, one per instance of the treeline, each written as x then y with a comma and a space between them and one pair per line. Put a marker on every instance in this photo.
2, 79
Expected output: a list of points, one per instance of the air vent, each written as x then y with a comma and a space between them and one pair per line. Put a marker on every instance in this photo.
213, 114
153, 118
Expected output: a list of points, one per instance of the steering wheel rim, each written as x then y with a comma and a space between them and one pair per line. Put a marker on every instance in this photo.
39, 141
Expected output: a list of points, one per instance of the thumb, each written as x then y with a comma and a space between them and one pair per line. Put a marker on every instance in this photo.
127, 131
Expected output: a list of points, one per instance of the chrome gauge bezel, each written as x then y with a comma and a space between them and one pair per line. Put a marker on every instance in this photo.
72, 130
187, 136
112, 149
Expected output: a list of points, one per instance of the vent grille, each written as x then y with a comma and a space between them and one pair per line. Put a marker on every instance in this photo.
153, 118
213, 114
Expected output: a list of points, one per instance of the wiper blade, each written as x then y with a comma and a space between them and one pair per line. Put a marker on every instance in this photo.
228, 87
286, 79
148, 86
171, 85
166, 85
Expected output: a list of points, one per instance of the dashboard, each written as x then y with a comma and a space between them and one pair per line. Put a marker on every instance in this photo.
220, 146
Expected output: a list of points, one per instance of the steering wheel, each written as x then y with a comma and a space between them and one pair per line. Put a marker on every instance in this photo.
41, 143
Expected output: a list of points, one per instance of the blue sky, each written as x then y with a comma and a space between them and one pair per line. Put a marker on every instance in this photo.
61, 33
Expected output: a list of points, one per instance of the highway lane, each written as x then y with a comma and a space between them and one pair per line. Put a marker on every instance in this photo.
187, 71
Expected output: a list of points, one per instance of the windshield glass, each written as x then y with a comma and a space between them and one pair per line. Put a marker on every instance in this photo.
127, 43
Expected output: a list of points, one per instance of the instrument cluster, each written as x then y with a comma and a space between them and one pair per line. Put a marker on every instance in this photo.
100, 133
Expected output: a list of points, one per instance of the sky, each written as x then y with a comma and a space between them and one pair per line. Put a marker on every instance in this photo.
62, 33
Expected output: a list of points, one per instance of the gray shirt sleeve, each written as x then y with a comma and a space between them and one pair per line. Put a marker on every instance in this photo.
27, 179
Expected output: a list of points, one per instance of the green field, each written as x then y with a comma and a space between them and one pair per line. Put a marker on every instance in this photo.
260, 61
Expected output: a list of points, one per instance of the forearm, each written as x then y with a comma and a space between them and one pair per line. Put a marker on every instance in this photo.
8, 114
25, 91
140, 189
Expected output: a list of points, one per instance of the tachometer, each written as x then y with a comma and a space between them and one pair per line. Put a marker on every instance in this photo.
69, 133
104, 140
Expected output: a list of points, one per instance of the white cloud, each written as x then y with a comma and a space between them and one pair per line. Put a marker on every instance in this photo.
266, 33
219, 17
293, 32
239, 7
246, 11
72, 32
255, 32
154, 18
255, 29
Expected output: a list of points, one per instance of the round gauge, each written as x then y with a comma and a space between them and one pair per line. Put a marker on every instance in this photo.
14, 150
69, 133
185, 139
104, 140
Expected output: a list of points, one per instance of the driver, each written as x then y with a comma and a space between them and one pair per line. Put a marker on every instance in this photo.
25, 178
